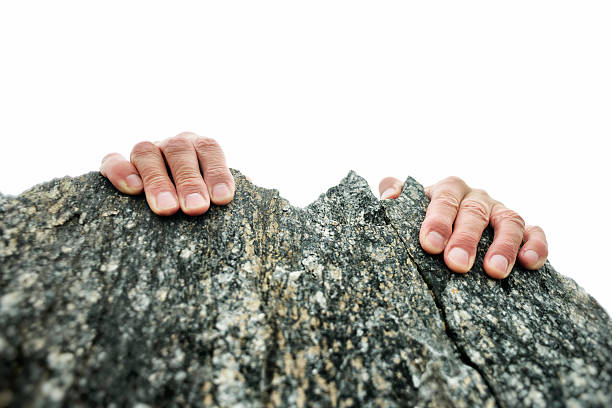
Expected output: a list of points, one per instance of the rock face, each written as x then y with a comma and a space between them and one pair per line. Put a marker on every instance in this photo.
259, 303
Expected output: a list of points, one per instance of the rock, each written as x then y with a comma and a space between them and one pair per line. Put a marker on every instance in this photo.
259, 303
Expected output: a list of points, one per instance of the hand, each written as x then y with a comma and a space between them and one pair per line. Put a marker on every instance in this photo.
184, 154
471, 210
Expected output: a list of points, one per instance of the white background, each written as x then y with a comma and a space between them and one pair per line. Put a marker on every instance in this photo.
513, 97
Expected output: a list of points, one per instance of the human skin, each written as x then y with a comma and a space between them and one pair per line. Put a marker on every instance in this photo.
456, 216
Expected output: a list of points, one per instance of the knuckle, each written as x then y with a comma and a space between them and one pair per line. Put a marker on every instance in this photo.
108, 156
498, 204
205, 144
535, 228
155, 181
216, 172
466, 238
506, 246
189, 178
538, 236
454, 180
387, 182
508, 216
433, 223
142, 149
177, 144
447, 199
476, 209
481, 193
187, 135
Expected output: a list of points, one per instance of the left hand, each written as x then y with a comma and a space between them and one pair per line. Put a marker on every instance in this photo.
197, 164
471, 210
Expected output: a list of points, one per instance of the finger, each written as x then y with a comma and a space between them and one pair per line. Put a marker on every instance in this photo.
509, 228
390, 187
159, 190
217, 176
534, 252
121, 173
472, 218
183, 162
441, 213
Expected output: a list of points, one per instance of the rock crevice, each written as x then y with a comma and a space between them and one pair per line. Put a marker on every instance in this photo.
452, 335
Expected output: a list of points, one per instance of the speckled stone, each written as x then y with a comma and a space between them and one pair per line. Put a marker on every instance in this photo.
260, 303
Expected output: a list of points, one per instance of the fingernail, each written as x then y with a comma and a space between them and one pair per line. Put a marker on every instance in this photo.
387, 193
500, 263
221, 191
133, 181
193, 201
459, 257
165, 201
435, 240
531, 256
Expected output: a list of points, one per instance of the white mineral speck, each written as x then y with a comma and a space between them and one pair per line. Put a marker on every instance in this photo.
3, 344
379, 255
179, 356
110, 213
52, 389
464, 316
9, 300
162, 294
247, 267
110, 267
27, 279
309, 262
225, 277
295, 275
140, 301
186, 253
535, 398
335, 272
60, 361
476, 357
92, 296
320, 299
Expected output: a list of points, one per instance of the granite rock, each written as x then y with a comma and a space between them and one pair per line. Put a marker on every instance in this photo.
260, 303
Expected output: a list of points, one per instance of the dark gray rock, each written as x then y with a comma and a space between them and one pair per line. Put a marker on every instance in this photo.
260, 303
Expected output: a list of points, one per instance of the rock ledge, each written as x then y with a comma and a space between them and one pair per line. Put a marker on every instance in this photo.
260, 303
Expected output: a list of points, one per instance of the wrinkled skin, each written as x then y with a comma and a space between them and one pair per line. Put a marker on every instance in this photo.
456, 216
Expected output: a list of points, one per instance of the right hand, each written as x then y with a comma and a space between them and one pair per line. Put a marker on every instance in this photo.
185, 155
457, 216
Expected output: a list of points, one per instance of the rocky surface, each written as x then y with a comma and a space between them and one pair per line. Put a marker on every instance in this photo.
259, 303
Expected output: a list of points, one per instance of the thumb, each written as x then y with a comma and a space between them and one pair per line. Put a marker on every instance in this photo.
390, 187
